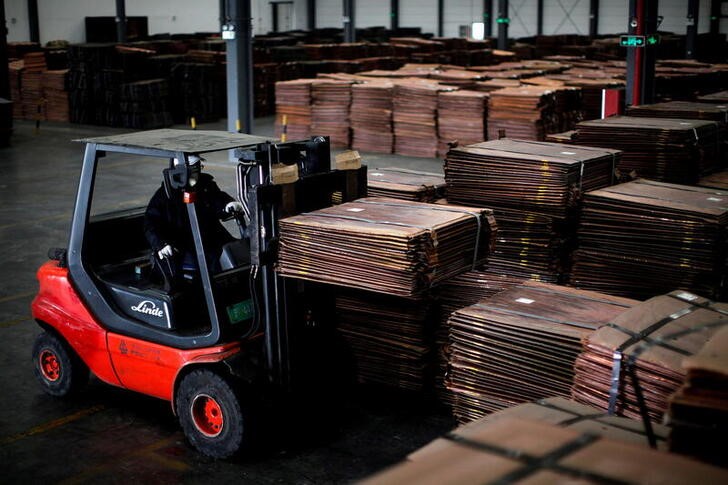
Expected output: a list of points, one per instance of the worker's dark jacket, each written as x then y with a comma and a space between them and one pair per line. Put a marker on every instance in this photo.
166, 220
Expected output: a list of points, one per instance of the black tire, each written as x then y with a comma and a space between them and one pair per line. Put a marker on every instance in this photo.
211, 414
59, 370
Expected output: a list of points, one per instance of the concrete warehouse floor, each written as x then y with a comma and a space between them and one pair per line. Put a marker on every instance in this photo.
112, 435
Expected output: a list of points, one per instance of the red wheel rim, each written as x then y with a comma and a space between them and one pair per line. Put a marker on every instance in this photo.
207, 415
50, 366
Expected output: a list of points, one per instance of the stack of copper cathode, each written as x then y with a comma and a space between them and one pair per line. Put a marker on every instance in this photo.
632, 365
293, 108
645, 238
459, 292
330, 110
461, 118
55, 91
526, 112
405, 184
535, 189
371, 116
521, 344
668, 150
415, 118
385, 245
390, 337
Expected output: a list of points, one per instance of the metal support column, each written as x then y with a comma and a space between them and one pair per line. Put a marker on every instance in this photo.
503, 22
33, 21
715, 16
593, 18
440, 18
349, 21
691, 38
120, 20
394, 14
274, 16
311, 14
641, 60
488, 17
4, 74
539, 17
237, 30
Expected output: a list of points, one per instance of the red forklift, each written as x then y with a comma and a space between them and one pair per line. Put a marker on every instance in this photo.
213, 348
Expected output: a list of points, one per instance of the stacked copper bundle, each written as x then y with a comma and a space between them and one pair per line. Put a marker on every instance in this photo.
645, 238
32, 93
293, 108
699, 410
565, 413
54, 85
389, 337
459, 292
521, 344
371, 116
330, 110
461, 118
415, 118
385, 245
16, 79
633, 365
721, 97
535, 188
515, 450
405, 184
145, 104
526, 113
718, 181
668, 150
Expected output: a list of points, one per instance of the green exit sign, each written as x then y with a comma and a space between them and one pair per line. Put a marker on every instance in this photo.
632, 40
653, 39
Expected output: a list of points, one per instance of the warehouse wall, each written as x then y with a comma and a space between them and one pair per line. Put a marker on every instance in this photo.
64, 19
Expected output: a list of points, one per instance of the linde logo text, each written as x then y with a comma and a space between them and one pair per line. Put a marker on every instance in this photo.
149, 308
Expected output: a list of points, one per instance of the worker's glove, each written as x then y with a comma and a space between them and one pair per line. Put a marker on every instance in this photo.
165, 252
234, 207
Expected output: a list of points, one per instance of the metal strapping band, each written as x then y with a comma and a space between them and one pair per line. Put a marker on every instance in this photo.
534, 464
441, 209
706, 306
537, 317
634, 338
585, 417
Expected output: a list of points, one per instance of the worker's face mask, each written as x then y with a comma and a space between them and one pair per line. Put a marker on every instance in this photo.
194, 174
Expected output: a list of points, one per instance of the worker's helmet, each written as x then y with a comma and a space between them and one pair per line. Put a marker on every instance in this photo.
194, 164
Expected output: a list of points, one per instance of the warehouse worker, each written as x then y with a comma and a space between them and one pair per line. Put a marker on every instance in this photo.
167, 225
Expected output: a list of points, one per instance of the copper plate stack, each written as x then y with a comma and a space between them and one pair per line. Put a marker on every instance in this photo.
668, 150
520, 345
721, 97
399, 183
390, 337
293, 100
32, 93
699, 410
565, 413
649, 341
415, 118
694, 111
461, 117
330, 111
371, 116
54, 84
718, 181
459, 292
525, 112
385, 245
535, 188
645, 238
16, 80
521, 451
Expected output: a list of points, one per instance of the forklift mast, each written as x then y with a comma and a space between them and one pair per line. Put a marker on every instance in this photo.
286, 304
